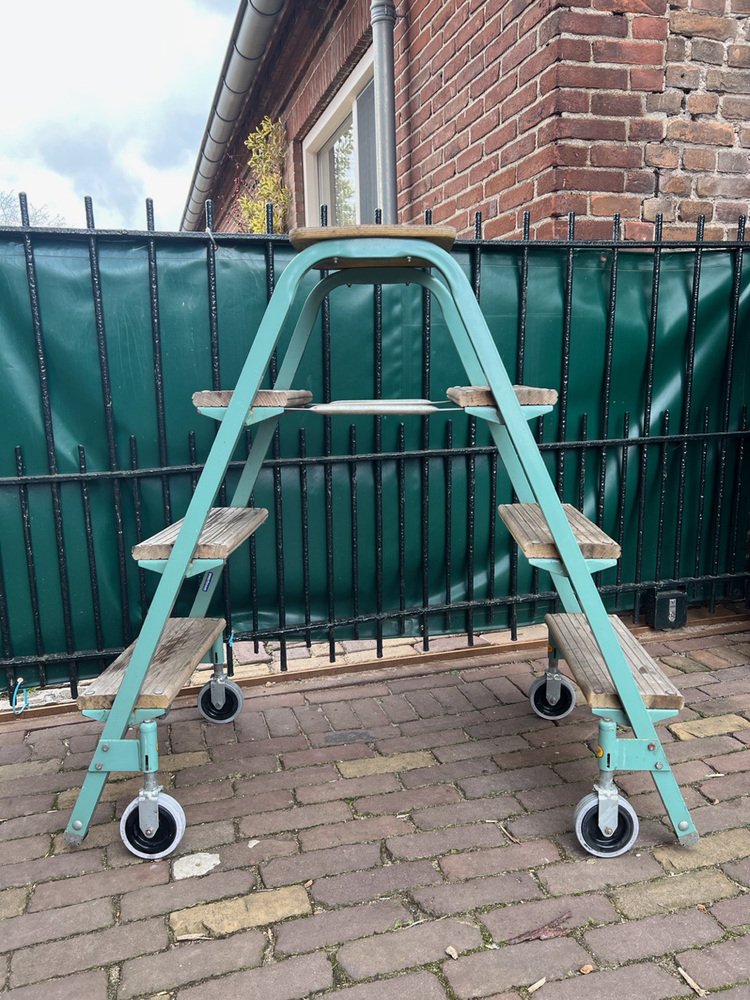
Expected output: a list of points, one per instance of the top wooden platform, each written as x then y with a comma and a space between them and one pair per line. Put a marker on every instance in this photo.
575, 642
441, 236
183, 645
480, 395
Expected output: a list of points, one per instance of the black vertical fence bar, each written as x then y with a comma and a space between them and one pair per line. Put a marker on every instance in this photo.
523, 300
109, 421
354, 492
663, 476
138, 513
378, 469
213, 310
425, 463
23, 503
622, 494
161, 422
448, 472
701, 496
6, 644
305, 525
470, 525
492, 555
96, 607
726, 410
401, 486
737, 494
565, 366
582, 452
646, 427
193, 460
687, 398
325, 313
606, 397
278, 514
49, 435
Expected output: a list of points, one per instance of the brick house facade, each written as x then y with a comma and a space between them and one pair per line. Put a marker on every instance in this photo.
634, 107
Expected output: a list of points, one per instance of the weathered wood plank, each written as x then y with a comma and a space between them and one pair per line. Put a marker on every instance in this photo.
526, 523
306, 236
183, 646
226, 528
572, 635
264, 397
480, 395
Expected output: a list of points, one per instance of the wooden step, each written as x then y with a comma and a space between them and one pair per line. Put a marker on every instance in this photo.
572, 635
442, 236
480, 395
376, 407
264, 397
226, 528
183, 645
526, 523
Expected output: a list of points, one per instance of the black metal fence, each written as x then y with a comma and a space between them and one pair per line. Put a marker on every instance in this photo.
377, 528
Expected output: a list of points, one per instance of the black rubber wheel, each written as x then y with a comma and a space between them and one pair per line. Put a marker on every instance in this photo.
565, 703
166, 838
600, 844
231, 708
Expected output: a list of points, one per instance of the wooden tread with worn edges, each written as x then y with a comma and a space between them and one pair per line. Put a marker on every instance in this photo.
226, 528
480, 395
575, 643
526, 523
181, 648
263, 397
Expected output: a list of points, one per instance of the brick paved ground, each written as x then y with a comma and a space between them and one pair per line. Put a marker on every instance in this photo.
389, 836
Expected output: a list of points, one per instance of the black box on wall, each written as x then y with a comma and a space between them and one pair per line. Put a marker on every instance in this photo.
666, 609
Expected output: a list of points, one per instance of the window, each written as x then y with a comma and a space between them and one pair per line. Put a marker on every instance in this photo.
339, 154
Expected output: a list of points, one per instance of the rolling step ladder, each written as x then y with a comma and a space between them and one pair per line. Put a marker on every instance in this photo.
622, 684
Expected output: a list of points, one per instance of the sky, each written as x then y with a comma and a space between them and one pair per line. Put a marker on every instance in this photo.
110, 100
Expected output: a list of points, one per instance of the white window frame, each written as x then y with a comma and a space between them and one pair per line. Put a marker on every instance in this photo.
343, 104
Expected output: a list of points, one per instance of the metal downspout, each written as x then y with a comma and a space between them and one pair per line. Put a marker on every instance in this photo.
383, 18
252, 29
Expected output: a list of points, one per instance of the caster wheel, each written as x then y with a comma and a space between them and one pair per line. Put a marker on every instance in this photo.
166, 838
538, 699
233, 701
591, 838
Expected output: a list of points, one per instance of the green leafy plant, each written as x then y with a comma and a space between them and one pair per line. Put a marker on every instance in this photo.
267, 145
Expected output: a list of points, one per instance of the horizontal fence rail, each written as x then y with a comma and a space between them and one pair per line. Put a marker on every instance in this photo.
379, 526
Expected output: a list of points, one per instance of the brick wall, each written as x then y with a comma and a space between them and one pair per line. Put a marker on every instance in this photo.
635, 107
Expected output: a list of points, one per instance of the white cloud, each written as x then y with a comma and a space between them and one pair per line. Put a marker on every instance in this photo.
122, 84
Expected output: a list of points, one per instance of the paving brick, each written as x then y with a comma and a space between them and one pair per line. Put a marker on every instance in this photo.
460, 897
642, 980
86, 951
187, 963
226, 769
339, 890
456, 838
315, 864
255, 909
507, 922
293, 979
91, 985
354, 832
64, 892
440, 773
589, 874
298, 818
722, 816
347, 693
733, 913
27, 849
63, 866
739, 871
348, 788
499, 859
418, 985
31, 928
253, 749
729, 786
480, 748
340, 716
13, 902
253, 852
369, 713
516, 965
652, 936
635, 782
346, 736
420, 727
238, 805
29, 769
720, 965
715, 849
738, 760
507, 781
421, 741
311, 719
338, 926
148, 902
712, 726
25, 805
397, 802
321, 755
287, 779
662, 895
51, 822
476, 811
405, 948
384, 765
425, 704
397, 708
562, 794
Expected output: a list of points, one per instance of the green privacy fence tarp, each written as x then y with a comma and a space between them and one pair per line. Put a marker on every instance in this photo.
426, 538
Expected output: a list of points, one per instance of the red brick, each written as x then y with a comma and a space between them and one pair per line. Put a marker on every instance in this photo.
298, 818
499, 859
353, 832
628, 52
645, 980
647, 79
508, 921
720, 965
516, 965
690, 23
652, 936
336, 927
498, 808
410, 946
661, 156
293, 979
314, 864
338, 890
649, 27
91, 985
701, 133
148, 902
60, 867
593, 77
348, 788
418, 984
577, 23
591, 874
460, 897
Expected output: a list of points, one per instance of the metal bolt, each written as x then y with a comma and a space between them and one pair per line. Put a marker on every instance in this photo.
98, 767
77, 824
652, 746
149, 831
105, 747
608, 830
659, 766
683, 825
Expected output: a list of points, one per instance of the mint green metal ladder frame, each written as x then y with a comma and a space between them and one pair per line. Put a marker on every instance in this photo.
509, 429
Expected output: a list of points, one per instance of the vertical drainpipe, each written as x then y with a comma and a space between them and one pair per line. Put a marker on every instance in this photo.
383, 18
